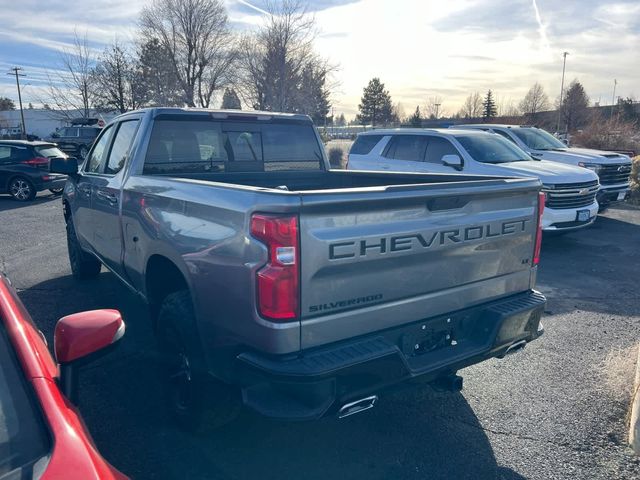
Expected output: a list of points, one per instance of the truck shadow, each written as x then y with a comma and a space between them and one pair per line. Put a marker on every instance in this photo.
413, 434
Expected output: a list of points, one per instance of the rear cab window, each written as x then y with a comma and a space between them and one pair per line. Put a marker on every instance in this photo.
181, 144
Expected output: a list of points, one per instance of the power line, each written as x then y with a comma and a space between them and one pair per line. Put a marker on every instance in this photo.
16, 72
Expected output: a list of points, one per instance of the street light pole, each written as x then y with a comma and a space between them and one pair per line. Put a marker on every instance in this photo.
564, 64
16, 72
613, 97
437, 109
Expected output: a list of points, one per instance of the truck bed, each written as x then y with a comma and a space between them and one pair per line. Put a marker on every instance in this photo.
300, 180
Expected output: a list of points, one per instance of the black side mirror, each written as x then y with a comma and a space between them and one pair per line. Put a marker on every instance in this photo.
67, 166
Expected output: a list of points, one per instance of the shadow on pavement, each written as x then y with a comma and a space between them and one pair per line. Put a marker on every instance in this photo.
414, 434
601, 259
8, 203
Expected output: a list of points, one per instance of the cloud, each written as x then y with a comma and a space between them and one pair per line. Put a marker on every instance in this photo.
419, 48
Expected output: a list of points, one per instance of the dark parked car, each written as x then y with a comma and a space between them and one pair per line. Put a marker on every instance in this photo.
76, 139
24, 169
41, 433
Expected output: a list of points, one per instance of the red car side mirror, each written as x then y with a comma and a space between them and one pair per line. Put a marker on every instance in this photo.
81, 334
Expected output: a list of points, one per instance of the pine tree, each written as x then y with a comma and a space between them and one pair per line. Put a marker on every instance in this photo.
415, 120
489, 106
7, 104
313, 95
341, 121
375, 106
574, 106
230, 100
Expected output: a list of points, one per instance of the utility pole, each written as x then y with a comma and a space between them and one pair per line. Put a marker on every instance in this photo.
613, 97
564, 64
16, 72
437, 109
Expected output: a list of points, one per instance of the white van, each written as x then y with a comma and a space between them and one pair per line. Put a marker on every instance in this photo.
613, 169
570, 191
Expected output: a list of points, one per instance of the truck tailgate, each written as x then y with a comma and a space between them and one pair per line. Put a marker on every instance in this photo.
393, 255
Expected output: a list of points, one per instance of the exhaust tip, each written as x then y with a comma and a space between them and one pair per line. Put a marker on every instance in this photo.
358, 406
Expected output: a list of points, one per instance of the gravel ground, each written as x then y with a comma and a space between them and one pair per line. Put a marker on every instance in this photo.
555, 411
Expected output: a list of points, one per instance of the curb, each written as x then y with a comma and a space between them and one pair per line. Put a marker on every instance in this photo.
634, 427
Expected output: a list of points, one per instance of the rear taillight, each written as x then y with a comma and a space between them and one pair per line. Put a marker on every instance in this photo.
37, 162
278, 281
538, 244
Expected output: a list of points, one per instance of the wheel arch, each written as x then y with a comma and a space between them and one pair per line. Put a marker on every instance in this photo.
162, 277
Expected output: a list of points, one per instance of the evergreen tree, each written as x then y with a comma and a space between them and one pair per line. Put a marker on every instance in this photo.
313, 95
341, 121
415, 120
489, 106
158, 77
375, 106
230, 100
7, 104
629, 109
574, 106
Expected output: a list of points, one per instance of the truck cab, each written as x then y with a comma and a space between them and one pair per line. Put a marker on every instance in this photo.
613, 169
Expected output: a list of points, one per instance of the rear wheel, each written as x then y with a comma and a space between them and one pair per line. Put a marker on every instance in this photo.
198, 402
83, 265
22, 189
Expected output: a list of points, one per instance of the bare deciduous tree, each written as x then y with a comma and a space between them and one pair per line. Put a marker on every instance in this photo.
279, 69
69, 88
433, 108
198, 41
534, 101
116, 81
472, 106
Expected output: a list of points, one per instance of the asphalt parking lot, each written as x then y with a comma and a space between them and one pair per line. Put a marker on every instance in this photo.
555, 411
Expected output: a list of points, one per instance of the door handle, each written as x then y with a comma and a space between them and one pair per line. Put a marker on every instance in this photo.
536, 154
109, 197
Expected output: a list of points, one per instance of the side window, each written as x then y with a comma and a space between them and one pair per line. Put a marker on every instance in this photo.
5, 154
505, 135
364, 144
120, 148
99, 151
407, 147
438, 148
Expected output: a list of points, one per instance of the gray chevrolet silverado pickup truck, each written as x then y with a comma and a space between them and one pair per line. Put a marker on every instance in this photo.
297, 290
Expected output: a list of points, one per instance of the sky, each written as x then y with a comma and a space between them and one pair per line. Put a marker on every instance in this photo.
420, 49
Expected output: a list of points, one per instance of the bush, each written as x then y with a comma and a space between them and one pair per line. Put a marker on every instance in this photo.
609, 134
635, 181
336, 155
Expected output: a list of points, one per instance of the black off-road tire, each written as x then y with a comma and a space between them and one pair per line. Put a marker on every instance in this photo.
198, 402
83, 265
22, 189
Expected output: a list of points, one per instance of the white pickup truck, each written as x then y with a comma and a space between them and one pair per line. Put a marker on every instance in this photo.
613, 169
570, 191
